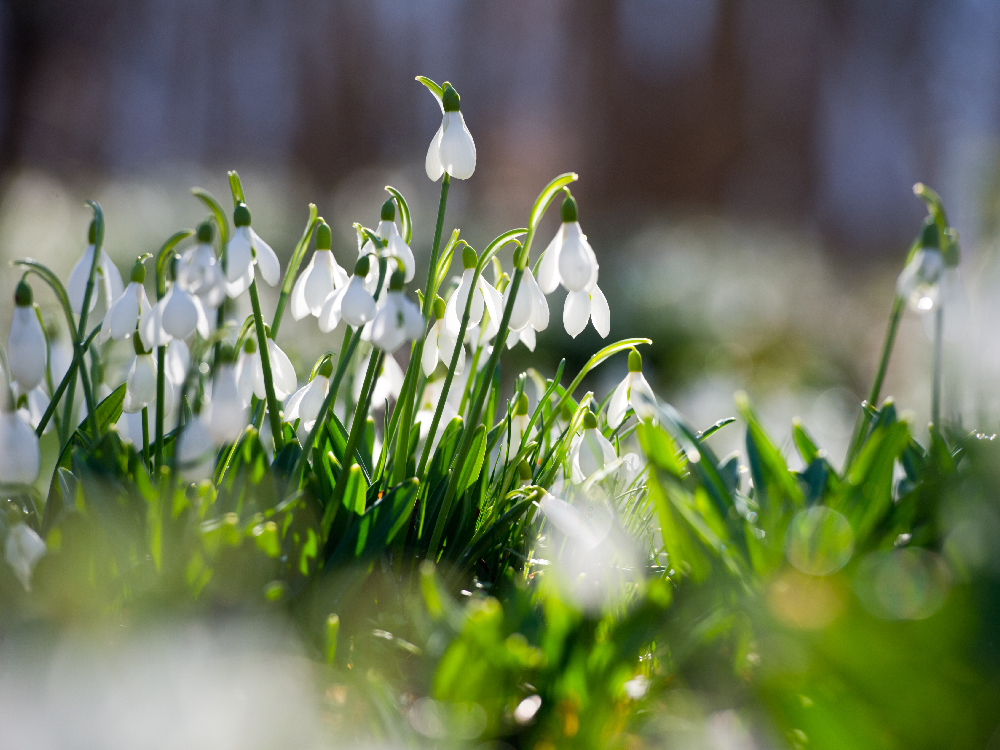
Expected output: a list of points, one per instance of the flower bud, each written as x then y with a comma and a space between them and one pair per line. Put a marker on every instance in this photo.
23, 296
450, 99
396, 281
138, 272
568, 211
241, 215
589, 420
522, 406
388, 211
324, 237
469, 257
363, 266
205, 231
634, 361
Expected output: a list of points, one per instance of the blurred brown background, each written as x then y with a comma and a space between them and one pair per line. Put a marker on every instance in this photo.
746, 165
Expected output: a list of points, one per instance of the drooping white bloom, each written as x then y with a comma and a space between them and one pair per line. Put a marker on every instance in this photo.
23, 549
388, 385
530, 311
486, 300
140, 384
440, 344
282, 373
226, 414
393, 244
452, 149
107, 279
196, 450
590, 451
587, 305
320, 278
20, 457
177, 315
633, 391
177, 362
199, 271
307, 401
124, 314
398, 321
919, 283
35, 403
243, 251
27, 348
352, 302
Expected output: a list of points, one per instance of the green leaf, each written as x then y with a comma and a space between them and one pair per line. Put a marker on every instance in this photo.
702, 436
469, 471
404, 213
217, 211
660, 448
379, 525
497, 244
803, 441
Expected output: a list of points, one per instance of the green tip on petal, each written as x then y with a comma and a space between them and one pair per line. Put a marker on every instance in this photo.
139, 272
241, 215
634, 361
326, 369
324, 237
23, 295
92, 232
450, 99
568, 211
137, 345
389, 210
438, 308
590, 421
930, 238
363, 266
469, 257
524, 471
522, 406
205, 231
397, 281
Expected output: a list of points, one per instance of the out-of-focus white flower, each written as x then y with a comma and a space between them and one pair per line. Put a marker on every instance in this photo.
24, 548
124, 314
36, 401
393, 244
452, 149
245, 249
353, 302
200, 272
399, 320
140, 384
244, 370
177, 315
196, 450
440, 345
585, 529
530, 307
177, 362
519, 424
282, 373
27, 348
919, 283
633, 391
591, 451
107, 279
226, 414
388, 385
486, 300
20, 456
307, 401
320, 278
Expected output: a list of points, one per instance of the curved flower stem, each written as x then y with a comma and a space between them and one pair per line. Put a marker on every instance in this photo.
63, 385
895, 315
417, 350
471, 380
474, 412
265, 363
936, 374
145, 436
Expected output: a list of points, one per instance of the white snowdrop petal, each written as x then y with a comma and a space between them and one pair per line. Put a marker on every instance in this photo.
180, 313
20, 457
527, 337
357, 306
176, 362
618, 404
297, 304
244, 377
397, 248
457, 149
329, 315
226, 413
539, 305
239, 256
321, 281
23, 549
641, 397
76, 285
429, 357
196, 451
576, 313
576, 264
600, 313
282, 373
235, 288
110, 278
140, 383
432, 163
548, 271
267, 260
27, 350
520, 314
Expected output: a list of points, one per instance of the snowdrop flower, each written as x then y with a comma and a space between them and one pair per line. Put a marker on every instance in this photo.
321, 277
485, 300
27, 349
353, 302
32, 405
107, 279
393, 244
20, 457
591, 451
399, 319
920, 281
177, 362
440, 345
24, 548
140, 384
123, 315
199, 271
452, 149
570, 260
244, 250
177, 315
388, 385
282, 373
306, 402
226, 414
633, 391
530, 311
196, 450
244, 370
519, 425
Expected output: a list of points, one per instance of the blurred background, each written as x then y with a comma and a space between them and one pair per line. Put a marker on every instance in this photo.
746, 165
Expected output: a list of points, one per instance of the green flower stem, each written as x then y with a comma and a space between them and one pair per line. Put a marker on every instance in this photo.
161, 362
145, 436
471, 380
265, 363
417, 350
895, 315
357, 428
474, 413
938, 360
63, 385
